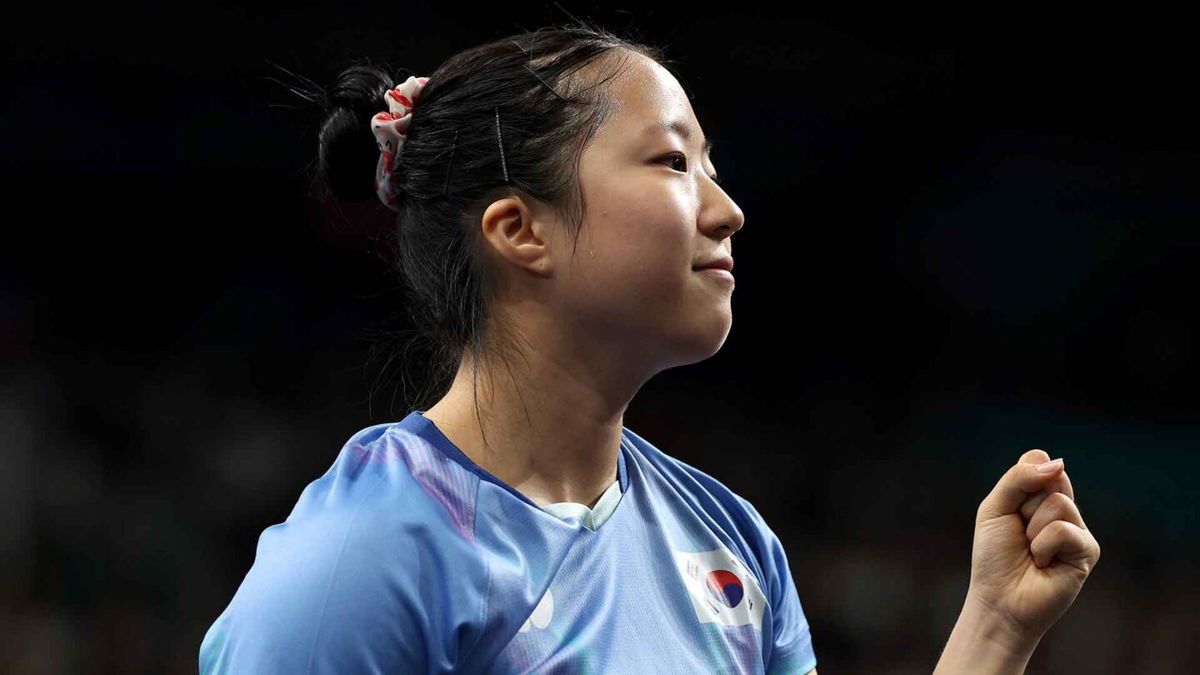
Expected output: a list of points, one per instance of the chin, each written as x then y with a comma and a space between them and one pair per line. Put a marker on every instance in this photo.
703, 343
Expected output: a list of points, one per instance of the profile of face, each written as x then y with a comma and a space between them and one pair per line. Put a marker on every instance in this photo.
653, 212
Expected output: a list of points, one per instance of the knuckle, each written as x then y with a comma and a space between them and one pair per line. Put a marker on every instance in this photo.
1061, 527
1061, 500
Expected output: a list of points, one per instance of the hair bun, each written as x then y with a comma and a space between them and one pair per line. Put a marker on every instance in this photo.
347, 152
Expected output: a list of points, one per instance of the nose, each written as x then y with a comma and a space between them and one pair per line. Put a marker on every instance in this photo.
720, 215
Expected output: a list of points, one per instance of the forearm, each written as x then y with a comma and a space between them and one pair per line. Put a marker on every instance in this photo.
981, 645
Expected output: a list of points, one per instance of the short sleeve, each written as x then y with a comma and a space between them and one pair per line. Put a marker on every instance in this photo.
791, 649
354, 582
311, 604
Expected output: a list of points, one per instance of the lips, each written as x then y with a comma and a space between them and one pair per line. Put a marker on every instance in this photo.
721, 264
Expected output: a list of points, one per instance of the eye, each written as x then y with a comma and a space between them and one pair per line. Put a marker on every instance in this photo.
680, 156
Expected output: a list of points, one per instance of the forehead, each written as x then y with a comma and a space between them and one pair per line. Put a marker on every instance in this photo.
651, 104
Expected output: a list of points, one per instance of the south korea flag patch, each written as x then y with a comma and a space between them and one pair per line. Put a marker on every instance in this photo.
723, 590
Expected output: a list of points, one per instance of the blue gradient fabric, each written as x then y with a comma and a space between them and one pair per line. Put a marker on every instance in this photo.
407, 557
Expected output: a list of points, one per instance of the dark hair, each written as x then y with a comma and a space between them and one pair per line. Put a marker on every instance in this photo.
548, 112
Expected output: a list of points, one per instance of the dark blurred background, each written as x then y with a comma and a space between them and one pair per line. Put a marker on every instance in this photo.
968, 234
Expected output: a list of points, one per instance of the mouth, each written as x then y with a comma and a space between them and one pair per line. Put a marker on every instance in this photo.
716, 272
725, 263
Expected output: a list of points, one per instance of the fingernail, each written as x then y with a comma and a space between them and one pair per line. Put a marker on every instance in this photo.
1052, 465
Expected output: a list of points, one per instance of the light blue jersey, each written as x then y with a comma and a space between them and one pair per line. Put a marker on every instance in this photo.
407, 557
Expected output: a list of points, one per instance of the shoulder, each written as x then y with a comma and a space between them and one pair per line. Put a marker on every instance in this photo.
386, 514
751, 537
386, 483
676, 469
352, 572
705, 492
688, 477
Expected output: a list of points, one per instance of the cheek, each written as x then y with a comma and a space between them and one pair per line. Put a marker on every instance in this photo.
644, 259
643, 223
631, 276
654, 231
633, 262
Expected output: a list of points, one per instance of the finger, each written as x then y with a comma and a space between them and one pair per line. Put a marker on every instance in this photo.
1061, 483
1066, 542
1038, 456
1034, 456
1056, 506
1015, 486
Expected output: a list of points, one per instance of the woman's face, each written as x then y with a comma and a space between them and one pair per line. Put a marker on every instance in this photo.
653, 212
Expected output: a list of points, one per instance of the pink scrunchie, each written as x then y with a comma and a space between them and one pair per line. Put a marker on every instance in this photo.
391, 129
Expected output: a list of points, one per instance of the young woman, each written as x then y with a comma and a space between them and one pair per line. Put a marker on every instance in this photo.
563, 236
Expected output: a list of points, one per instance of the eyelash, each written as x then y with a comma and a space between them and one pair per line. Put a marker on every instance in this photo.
673, 155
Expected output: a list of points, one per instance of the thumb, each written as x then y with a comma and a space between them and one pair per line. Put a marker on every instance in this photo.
1015, 486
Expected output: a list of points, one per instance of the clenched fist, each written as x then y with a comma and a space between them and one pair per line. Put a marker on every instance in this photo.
1032, 550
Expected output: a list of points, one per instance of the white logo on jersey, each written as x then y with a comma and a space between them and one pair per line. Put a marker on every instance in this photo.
541, 614
723, 590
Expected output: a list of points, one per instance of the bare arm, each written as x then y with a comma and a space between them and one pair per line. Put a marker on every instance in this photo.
981, 645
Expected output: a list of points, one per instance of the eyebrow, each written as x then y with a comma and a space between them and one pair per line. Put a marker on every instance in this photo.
679, 127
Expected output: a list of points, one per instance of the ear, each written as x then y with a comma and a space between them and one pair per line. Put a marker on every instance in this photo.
518, 233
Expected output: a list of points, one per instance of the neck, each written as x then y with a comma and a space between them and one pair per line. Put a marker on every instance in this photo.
548, 435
